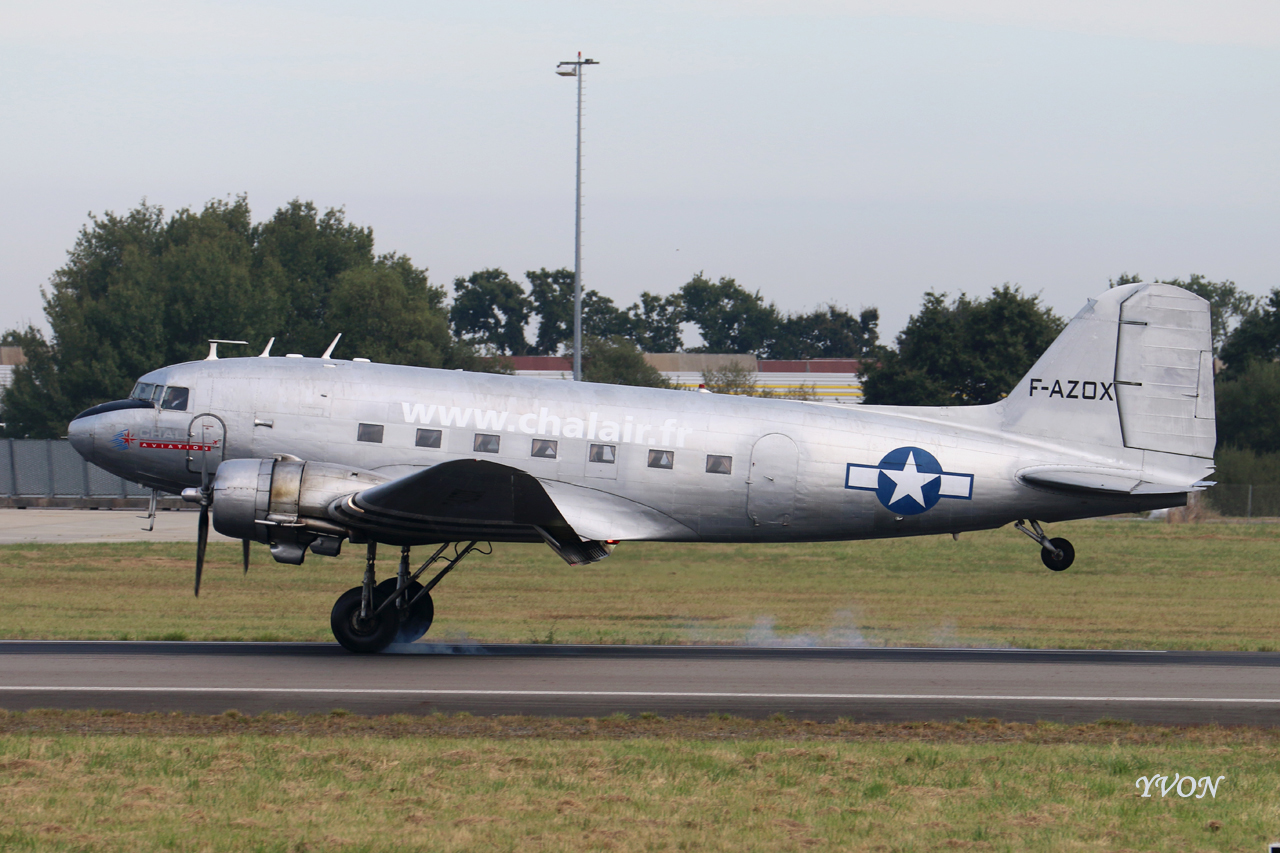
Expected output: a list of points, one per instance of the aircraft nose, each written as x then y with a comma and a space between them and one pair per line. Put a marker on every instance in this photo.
80, 431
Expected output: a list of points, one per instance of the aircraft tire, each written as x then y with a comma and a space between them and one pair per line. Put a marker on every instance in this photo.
415, 624
362, 639
1068, 555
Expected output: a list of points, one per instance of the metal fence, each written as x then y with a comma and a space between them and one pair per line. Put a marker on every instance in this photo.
51, 469
1244, 501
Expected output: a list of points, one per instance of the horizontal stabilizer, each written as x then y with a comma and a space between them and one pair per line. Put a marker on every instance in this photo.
1105, 480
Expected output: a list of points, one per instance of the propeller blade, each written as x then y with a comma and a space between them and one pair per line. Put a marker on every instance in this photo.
245, 543
202, 539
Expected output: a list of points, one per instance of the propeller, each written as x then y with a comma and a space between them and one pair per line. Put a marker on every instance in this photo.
202, 527
245, 544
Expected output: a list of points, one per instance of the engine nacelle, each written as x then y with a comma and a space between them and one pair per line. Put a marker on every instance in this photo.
283, 502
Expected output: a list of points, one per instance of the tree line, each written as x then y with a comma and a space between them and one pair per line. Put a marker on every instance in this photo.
142, 289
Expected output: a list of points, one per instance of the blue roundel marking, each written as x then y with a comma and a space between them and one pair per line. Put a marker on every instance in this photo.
916, 488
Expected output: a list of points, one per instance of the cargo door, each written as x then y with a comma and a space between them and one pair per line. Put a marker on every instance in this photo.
771, 483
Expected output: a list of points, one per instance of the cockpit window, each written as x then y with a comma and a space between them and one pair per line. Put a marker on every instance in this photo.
157, 394
175, 398
142, 391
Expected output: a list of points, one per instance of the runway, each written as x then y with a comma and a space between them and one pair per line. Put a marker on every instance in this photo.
819, 684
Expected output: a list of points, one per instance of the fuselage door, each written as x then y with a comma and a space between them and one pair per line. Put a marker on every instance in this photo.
771, 484
206, 443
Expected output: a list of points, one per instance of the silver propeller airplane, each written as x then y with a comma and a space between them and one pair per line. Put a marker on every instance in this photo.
304, 453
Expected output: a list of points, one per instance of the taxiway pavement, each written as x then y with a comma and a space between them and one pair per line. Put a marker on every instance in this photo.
19, 526
821, 684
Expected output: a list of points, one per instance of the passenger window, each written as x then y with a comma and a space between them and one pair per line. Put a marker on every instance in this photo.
606, 453
175, 399
370, 432
719, 464
428, 438
486, 443
544, 448
661, 458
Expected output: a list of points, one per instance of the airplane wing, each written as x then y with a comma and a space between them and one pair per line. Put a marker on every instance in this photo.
476, 499
1102, 480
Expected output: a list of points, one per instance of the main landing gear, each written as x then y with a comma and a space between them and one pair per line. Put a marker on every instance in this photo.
1057, 554
372, 616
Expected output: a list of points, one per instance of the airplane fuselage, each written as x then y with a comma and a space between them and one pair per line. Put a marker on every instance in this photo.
723, 468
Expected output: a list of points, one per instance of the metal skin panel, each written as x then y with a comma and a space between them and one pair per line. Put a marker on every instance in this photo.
1164, 342
771, 489
914, 470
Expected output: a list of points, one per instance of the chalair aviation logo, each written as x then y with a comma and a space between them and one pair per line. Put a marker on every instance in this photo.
909, 481
125, 439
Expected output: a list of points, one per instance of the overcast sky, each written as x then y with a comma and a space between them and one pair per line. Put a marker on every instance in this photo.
854, 152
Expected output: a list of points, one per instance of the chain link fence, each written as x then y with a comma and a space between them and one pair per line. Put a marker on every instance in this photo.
49, 472
1244, 501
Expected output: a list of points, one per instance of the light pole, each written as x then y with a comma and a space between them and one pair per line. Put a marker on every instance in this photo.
574, 69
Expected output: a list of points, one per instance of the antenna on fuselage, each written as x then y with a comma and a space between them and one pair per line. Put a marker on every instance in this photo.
329, 351
213, 348
266, 353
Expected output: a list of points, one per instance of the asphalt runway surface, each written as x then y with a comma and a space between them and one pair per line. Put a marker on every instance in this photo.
820, 684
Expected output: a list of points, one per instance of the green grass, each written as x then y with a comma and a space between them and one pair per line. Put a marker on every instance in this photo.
1135, 584
103, 782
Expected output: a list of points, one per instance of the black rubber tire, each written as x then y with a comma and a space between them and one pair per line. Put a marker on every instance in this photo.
415, 624
1068, 555
375, 636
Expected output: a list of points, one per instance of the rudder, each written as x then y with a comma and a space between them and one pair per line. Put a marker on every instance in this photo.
1133, 369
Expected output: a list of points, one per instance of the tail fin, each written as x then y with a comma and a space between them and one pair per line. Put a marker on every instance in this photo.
1133, 369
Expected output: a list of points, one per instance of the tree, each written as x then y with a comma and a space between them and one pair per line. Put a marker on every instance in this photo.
617, 361
966, 353
551, 296
491, 310
139, 291
655, 322
391, 314
828, 332
730, 318
1257, 338
551, 300
1248, 408
299, 254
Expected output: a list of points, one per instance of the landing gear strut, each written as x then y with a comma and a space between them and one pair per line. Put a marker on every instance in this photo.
1057, 554
372, 616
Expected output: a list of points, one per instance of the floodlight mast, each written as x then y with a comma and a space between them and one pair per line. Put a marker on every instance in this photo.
574, 69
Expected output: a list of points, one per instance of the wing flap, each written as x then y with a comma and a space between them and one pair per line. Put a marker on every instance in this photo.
600, 515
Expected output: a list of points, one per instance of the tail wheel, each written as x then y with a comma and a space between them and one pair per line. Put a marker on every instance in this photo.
1059, 556
358, 635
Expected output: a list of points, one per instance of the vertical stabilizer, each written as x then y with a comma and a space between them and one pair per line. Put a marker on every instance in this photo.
1133, 369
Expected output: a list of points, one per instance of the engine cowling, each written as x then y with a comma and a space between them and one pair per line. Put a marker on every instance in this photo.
283, 503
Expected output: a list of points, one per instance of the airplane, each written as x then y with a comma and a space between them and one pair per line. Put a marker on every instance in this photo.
302, 454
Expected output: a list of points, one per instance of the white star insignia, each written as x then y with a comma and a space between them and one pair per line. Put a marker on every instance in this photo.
909, 482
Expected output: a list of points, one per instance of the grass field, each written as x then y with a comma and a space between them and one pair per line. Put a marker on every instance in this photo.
103, 782
1135, 584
